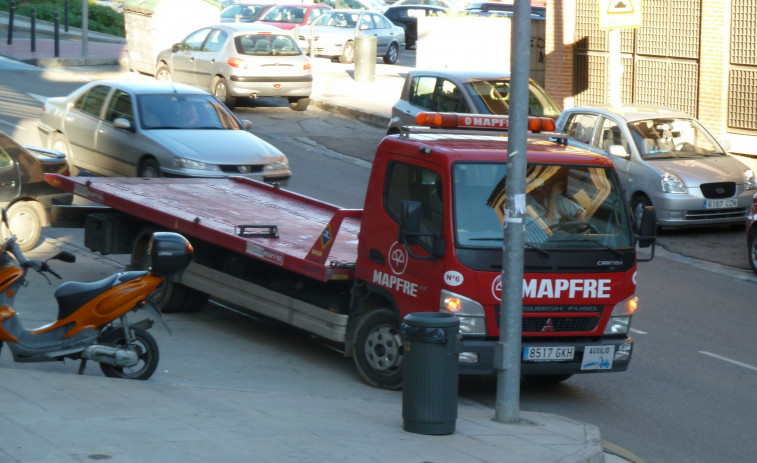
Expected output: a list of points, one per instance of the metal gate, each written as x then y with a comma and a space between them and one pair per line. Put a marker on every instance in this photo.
742, 71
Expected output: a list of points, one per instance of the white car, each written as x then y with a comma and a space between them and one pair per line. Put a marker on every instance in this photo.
668, 160
333, 34
155, 129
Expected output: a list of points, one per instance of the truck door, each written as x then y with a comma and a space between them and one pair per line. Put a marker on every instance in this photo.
414, 275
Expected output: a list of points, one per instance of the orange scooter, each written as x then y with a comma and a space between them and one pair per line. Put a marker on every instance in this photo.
92, 322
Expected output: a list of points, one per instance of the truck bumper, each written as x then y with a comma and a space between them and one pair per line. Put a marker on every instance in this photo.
477, 357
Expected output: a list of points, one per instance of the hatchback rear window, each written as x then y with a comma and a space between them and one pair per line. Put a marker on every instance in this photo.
266, 45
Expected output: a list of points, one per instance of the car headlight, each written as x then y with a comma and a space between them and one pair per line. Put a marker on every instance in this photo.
750, 181
281, 164
620, 319
672, 184
184, 163
471, 313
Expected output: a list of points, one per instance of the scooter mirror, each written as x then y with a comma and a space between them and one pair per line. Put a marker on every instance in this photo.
65, 256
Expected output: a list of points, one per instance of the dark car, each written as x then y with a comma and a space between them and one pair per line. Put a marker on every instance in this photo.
24, 193
406, 16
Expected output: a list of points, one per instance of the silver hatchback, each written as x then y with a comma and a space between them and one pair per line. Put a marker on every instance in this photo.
668, 160
240, 60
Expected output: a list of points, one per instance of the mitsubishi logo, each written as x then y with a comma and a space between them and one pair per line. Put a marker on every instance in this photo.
548, 326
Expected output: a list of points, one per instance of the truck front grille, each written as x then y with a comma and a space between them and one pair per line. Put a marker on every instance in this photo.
557, 325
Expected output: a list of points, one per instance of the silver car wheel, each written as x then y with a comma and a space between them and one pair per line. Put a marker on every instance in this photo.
163, 73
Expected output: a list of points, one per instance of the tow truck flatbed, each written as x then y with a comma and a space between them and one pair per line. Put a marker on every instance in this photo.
302, 234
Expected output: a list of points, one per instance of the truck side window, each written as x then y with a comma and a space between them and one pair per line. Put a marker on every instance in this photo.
414, 183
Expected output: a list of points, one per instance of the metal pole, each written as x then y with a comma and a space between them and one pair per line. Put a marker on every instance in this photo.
508, 349
65, 17
84, 26
10, 22
57, 34
34, 29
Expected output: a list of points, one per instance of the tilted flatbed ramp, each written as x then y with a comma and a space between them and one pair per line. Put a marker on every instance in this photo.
283, 228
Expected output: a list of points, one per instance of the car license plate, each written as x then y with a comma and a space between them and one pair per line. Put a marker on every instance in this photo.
545, 354
720, 203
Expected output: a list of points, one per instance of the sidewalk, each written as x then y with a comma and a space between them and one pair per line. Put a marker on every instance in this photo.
45, 419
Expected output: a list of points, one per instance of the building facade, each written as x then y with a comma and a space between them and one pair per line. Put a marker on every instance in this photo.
699, 56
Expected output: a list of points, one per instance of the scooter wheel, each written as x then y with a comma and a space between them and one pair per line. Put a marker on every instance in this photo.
147, 352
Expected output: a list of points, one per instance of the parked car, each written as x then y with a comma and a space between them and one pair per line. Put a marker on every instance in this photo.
450, 5
24, 193
668, 160
370, 5
244, 12
155, 129
468, 92
406, 17
288, 16
240, 60
751, 234
334, 35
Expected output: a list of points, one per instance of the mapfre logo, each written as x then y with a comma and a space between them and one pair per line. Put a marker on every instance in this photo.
397, 258
497, 288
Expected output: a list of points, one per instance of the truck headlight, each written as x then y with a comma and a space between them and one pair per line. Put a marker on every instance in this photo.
672, 184
471, 313
750, 181
620, 318
184, 163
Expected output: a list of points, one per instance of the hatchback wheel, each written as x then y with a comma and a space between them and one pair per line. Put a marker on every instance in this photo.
221, 91
299, 104
163, 73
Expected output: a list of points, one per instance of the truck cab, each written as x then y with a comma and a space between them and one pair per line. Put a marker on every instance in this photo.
432, 240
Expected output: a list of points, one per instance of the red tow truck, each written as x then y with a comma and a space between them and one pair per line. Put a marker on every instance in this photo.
429, 238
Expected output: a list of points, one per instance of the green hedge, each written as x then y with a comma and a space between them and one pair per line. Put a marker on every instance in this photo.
101, 18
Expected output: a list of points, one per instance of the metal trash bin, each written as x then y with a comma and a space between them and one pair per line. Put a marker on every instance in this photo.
430, 372
365, 58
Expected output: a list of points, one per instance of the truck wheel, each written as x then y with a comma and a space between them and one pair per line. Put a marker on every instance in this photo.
753, 249
195, 300
147, 353
377, 346
221, 91
25, 223
348, 53
170, 297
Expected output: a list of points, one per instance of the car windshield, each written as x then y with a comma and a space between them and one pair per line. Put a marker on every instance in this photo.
266, 44
565, 207
673, 138
285, 14
493, 97
177, 111
245, 12
337, 19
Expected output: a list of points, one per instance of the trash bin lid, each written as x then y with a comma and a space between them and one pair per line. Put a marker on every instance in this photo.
432, 319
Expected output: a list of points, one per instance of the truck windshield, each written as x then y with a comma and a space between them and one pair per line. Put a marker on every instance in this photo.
565, 207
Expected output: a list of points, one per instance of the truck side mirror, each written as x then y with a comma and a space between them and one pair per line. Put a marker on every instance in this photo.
410, 231
647, 227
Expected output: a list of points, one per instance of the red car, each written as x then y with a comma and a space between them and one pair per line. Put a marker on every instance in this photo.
751, 234
289, 16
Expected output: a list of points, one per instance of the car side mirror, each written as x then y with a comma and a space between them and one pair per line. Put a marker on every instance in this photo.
122, 123
647, 227
246, 124
175, 47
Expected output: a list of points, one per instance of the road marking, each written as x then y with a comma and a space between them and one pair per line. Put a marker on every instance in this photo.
638, 331
726, 359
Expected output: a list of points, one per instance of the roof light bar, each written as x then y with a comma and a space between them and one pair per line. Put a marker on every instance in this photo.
479, 121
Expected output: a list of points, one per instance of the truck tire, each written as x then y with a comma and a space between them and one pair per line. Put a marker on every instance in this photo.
377, 346
170, 297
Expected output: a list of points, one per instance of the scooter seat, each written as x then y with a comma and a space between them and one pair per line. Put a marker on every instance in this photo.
73, 294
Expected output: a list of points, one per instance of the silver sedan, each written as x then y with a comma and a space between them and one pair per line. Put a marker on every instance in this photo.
155, 129
668, 160
240, 60
333, 34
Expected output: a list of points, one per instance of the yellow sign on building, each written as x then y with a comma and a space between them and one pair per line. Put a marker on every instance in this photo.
617, 14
